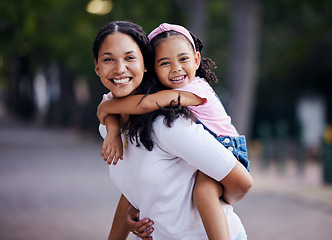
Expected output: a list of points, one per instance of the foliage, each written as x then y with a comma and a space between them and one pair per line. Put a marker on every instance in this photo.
295, 50
59, 30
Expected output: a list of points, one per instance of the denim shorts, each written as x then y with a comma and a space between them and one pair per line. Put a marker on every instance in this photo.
236, 144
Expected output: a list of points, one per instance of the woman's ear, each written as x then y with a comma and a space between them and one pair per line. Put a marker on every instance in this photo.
96, 67
197, 59
145, 70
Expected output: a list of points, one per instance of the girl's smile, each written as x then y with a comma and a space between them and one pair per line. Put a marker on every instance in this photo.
176, 62
179, 79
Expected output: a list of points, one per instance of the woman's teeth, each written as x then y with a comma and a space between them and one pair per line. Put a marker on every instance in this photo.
122, 80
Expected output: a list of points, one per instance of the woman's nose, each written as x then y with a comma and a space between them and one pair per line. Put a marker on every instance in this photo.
119, 67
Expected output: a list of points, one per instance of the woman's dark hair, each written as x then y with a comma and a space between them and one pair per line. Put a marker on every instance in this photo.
140, 126
204, 70
138, 35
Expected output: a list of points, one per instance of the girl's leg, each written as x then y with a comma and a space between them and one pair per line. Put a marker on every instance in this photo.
206, 197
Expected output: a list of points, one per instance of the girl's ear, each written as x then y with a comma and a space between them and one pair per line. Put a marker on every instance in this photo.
145, 70
96, 67
197, 59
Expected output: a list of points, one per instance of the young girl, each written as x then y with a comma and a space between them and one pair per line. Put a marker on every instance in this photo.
179, 66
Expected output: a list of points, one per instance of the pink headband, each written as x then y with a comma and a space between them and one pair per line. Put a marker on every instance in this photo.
165, 27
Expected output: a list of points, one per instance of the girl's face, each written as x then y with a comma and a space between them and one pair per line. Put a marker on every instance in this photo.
175, 61
120, 64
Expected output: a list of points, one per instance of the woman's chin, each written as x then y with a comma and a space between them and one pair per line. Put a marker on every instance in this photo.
120, 94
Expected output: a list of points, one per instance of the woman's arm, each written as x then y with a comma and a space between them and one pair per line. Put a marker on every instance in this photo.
136, 104
200, 149
119, 229
236, 184
124, 222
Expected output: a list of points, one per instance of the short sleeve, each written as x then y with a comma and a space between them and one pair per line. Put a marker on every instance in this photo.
196, 146
199, 87
102, 128
108, 96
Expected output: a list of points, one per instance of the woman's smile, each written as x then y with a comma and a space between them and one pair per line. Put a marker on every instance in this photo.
121, 80
120, 64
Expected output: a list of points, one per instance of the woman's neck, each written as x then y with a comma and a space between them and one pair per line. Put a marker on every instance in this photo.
123, 120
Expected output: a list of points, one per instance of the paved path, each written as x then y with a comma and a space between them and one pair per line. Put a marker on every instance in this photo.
54, 186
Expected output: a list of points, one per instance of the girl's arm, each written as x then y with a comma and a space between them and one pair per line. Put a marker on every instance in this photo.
136, 104
112, 149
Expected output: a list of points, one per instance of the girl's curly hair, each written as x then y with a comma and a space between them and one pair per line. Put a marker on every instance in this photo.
204, 70
141, 126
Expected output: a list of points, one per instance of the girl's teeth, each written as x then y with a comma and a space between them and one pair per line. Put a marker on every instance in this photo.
123, 80
177, 78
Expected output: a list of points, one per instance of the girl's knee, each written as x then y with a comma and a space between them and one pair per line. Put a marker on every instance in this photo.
207, 188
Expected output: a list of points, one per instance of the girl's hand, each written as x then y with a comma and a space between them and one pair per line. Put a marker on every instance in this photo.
101, 113
112, 149
141, 228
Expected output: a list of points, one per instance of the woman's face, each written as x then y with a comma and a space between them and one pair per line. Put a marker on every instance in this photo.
120, 64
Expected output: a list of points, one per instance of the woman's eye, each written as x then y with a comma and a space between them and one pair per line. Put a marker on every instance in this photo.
108, 60
184, 59
128, 58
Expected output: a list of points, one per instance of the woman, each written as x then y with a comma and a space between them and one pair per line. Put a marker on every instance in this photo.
158, 172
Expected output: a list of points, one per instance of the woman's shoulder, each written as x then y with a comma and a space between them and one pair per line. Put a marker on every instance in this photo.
177, 123
181, 128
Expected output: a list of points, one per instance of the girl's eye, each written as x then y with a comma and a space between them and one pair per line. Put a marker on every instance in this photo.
164, 63
184, 59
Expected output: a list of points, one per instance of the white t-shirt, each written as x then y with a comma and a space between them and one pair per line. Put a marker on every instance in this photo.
160, 182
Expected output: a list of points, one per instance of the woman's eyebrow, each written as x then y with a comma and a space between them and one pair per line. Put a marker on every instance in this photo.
106, 53
126, 53
130, 52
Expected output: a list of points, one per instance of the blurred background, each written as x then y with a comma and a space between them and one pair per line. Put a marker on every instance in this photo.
274, 66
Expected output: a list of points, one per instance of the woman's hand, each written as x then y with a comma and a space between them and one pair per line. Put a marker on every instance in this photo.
141, 228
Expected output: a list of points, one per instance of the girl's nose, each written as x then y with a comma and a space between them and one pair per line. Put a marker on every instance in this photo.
176, 68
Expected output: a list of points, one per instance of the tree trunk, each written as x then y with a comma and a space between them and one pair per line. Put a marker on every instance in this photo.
242, 72
197, 18
20, 101
67, 102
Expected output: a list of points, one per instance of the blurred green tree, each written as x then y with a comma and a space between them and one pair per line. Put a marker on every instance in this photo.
37, 35
296, 57
56, 36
